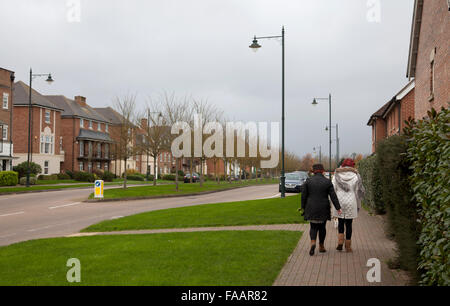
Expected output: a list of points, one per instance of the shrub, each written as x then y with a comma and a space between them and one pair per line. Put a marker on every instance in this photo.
21, 168
429, 154
63, 176
48, 177
69, 173
133, 177
8, 178
131, 172
371, 180
396, 195
23, 180
108, 176
84, 176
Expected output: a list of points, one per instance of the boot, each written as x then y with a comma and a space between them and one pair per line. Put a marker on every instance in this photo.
348, 246
313, 247
322, 248
340, 242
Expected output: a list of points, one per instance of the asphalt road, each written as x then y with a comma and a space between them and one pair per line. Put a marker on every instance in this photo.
60, 213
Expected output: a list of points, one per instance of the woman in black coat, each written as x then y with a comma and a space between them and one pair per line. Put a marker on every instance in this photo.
316, 205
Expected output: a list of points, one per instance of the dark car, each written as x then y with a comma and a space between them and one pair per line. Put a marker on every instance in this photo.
294, 181
195, 177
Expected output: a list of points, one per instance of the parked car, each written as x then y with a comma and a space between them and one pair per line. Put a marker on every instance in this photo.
195, 177
294, 181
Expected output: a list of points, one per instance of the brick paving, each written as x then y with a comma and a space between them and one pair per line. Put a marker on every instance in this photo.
332, 268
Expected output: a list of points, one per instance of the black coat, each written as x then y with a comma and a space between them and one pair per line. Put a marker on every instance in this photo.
315, 201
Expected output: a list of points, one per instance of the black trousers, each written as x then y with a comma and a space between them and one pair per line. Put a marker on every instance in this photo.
347, 223
318, 228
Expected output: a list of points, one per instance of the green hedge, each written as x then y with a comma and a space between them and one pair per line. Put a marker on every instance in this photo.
63, 176
429, 155
8, 178
84, 176
134, 177
370, 176
21, 168
108, 176
50, 177
394, 171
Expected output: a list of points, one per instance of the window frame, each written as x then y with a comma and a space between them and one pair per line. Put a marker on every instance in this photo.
49, 116
5, 99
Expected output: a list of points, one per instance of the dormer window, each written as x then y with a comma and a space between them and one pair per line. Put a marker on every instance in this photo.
99, 126
90, 124
81, 122
106, 127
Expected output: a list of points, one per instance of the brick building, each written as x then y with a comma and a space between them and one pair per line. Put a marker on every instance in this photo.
429, 55
46, 137
85, 135
390, 118
6, 119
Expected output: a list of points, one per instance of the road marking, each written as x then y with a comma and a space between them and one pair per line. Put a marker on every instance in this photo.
271, 197
6, 236
12, 214
116, 217
39, 228
65, 205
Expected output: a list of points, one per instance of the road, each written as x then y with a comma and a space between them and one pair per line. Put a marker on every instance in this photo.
60, 213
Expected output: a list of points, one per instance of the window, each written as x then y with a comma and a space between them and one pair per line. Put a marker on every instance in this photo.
106, 127
46, 167
82, 122
99, 126
60, 144
47, 144
99, 165
90, 124
90, 148
106, 166
47, 116
81, 148
432, 66
90, 166
5, 132
106, 150
99, 150
81, 166
5, 100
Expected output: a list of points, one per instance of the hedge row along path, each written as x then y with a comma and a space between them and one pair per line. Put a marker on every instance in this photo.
332, 268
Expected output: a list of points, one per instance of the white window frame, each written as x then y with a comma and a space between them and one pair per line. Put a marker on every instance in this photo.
5, 132
90, 124
106, 127
46, 167
45, 116
5, 100
81, 122
81, 147
81, 166
99, 126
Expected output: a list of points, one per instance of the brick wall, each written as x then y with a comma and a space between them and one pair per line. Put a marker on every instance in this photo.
5, 87
434, 33
407, 107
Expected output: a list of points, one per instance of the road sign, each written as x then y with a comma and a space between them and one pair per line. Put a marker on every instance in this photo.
98, 193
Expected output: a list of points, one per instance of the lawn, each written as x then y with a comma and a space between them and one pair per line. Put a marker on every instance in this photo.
169, 189
226, 258
254, 212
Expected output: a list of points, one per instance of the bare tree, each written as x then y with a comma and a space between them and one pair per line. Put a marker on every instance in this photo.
125, 148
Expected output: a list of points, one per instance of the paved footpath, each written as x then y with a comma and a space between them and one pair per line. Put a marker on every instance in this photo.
332, 268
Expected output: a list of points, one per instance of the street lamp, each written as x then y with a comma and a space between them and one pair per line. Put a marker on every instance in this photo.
30, 122
320, 153
255, 46
337, 142
329, 101
148, 134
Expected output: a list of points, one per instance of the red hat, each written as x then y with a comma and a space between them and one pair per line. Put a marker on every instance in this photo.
348, 162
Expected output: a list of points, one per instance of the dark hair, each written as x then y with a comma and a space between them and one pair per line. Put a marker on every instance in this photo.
317, 168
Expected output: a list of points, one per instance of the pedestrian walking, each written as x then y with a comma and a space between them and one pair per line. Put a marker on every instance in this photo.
350, 192
316, 206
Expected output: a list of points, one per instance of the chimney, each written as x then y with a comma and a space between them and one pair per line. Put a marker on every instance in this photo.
144, 123
80, 100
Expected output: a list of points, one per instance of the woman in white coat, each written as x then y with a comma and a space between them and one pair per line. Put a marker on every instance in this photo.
350, 191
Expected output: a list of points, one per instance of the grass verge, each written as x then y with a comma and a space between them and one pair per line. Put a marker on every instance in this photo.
254, 212
226, 258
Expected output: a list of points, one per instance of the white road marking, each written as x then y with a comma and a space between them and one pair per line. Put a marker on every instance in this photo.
115, 217
271, 197
65, 205
12, 214
6, 236
40, 228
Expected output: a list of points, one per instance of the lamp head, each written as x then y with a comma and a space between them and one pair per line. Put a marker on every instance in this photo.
255, 46
314, 102
12, 77
49, 79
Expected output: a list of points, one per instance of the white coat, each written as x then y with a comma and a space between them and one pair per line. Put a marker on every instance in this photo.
349, 190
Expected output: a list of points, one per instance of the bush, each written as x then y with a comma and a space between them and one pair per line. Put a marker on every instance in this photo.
23, 180
21, 169
48, 177
371, 180
429, 154
171, 177
69, 173
133, 177
84, 176
396, 195
8, 178
131, 172
108, 176
63, 176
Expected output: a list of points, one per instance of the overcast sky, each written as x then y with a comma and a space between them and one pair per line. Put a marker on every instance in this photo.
200, 48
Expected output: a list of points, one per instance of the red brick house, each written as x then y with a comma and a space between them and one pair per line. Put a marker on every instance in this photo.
6, 119
46, 137
85, 135
390, 118
429, 55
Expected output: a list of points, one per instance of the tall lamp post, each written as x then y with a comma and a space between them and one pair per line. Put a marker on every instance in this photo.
255, 46
30, 121
329, 101
337, 142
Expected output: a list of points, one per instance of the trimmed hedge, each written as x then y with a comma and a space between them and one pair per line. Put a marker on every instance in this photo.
84, 176
108, 176
23, 180
429, 155
171, 177
133, 177
8, 178
48, 177
63, 176
371, 181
